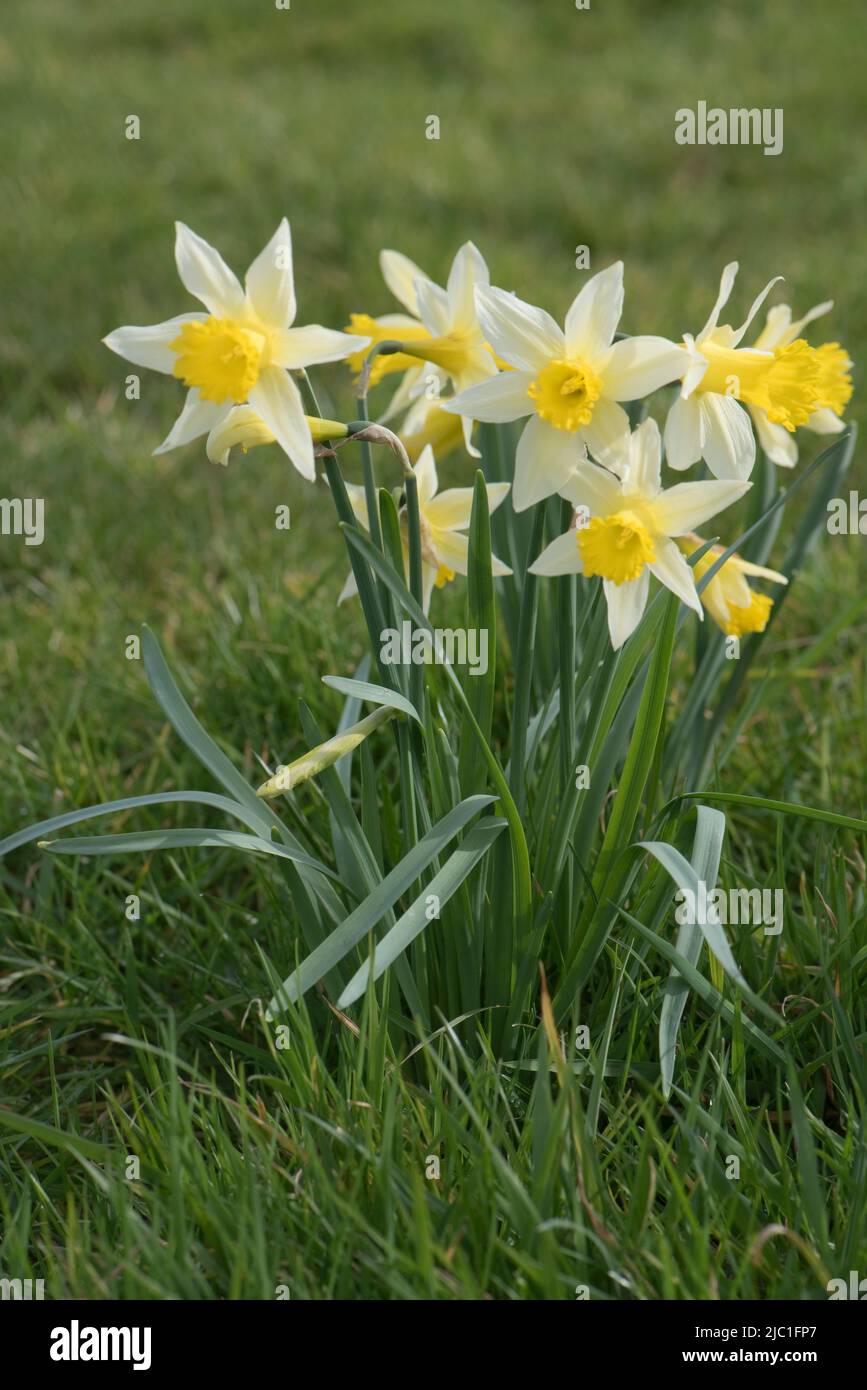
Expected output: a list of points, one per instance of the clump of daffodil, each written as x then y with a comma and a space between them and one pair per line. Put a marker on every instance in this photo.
780, 383
733, 605
243, 429
442, 342
625, 525
834, 384
444, 519
242, 350
569, 380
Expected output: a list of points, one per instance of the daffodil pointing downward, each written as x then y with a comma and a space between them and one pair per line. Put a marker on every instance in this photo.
629, 521
569, 381
241, 350
732, 603
445, 518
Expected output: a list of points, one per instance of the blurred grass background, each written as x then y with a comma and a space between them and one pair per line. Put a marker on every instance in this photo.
556, 130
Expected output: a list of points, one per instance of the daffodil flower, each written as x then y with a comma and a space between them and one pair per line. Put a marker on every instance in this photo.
241, 350
629, 520
242, 428
834, 384
569, 381
709, 420
443, 341
444, 517
732, 604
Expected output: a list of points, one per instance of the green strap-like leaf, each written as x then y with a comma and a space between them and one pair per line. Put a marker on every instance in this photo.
706, 850
377, 903
185, 723
145, 841
373, 694
128, 803
442, 886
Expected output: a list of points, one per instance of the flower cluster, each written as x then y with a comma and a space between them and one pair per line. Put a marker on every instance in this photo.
468, 352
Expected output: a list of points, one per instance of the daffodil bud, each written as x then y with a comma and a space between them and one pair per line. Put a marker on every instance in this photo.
325, 754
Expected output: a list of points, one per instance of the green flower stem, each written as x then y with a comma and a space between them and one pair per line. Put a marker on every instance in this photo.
524, 662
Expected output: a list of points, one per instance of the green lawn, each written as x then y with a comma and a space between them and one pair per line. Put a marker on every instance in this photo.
140, 1037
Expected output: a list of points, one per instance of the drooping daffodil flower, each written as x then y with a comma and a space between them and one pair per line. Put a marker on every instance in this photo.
733, 605
444, 517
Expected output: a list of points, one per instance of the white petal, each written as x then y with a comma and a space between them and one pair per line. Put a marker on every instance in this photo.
562, 556
697, 369
824, 421
451, 510
358, 502
816, 312
607, 435
349, 590
523, 335
467, 431
198, 417
401, 274
684, 433
276, 398
271, 280
594, 314
497, 493
468, 270
433, 307
501, 398
729, 445
671, 568
626, 604
428, 579
639, 366
305, 347
754, 309
645, 458
426, 474
451, 549
544, 462
240, 427
726, 285
777, 328
594, 488
759, 571
406, 397
205, 274
777, 442
687, 505
149, 346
